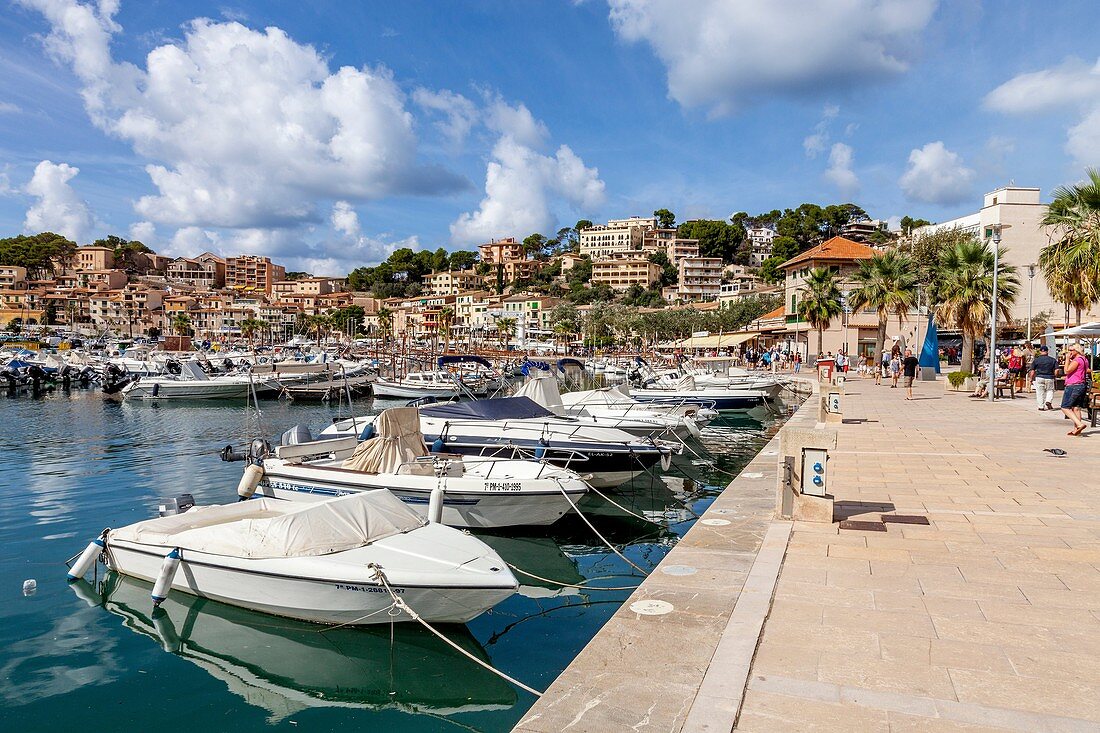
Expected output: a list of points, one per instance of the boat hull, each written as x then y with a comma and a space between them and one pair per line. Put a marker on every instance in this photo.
320, 600
721, 400
383, 388
211, 390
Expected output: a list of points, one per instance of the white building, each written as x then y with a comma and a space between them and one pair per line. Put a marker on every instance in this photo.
620, 235
1019, 212
761, 238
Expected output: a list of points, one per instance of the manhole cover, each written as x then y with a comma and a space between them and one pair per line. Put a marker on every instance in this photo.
714, 522
651, 608
678, 570
753, 475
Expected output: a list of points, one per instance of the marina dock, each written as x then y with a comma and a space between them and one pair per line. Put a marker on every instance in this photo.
986, 618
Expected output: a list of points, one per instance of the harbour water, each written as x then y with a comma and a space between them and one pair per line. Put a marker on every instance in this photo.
91, 653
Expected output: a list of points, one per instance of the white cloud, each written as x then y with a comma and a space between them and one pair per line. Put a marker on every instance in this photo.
1073, 85
523, 185
248, 128
936, 175
459, 114
58, 207
816, 142
723, 55
839, 172
8, 108
345, 219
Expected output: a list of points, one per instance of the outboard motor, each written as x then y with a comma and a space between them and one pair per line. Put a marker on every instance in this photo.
297, 435
176, 505
173, 367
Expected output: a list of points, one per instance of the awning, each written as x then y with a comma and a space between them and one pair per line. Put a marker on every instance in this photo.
713, 341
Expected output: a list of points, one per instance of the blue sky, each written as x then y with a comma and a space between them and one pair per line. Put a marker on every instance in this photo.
325, 134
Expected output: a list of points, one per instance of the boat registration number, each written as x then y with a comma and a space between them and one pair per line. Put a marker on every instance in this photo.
503, 485
367, 589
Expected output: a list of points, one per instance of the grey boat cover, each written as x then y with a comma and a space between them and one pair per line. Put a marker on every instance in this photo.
498, 408
273, 528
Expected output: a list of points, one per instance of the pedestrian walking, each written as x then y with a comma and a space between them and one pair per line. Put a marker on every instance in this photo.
1073, 397
797, 362
895, 369
909, 367
877, 367
1042, 378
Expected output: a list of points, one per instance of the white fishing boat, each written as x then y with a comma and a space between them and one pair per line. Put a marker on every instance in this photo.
472, 491
417, 385
721, 398
335, 562
192, 383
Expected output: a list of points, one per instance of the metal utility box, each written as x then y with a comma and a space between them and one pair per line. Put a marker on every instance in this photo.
832, 402
815, 471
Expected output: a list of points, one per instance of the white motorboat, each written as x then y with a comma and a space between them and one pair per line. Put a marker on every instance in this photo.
332, 562
509, 427
542, 388
616, 402
723, 399
474, 491
417, 385
195, 384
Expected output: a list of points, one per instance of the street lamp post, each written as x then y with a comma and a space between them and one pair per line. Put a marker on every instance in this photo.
997, 229
1030, 298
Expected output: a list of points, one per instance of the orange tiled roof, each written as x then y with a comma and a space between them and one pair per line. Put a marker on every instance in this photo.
837, 248
779, 312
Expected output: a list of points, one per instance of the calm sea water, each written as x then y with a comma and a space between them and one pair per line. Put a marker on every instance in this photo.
91, 655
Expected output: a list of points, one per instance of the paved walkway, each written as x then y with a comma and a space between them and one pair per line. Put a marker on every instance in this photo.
987, 619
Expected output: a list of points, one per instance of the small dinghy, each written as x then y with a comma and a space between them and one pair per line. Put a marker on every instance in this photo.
334, 562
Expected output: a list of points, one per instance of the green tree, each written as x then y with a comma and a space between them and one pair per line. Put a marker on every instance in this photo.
506, 328
385, 323
250, 327
41, 254
887, 282
716, 238
347, 318
318, 325
965, 291
463, 259
769, 270
534, 246
129, 255
181, 324
669, 273
1071, 262
819, 301
908, 224
297, 275
665, 218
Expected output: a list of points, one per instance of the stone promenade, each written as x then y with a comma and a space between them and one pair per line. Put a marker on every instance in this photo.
988, 618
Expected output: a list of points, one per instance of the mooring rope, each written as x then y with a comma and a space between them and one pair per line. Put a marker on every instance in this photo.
596, 531
571, 585
400, 603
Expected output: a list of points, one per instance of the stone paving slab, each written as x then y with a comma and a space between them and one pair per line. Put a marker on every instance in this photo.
988, 618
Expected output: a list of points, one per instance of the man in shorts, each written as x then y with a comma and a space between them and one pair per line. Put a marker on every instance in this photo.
909, 370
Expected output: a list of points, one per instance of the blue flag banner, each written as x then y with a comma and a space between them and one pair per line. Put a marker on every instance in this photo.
930, 352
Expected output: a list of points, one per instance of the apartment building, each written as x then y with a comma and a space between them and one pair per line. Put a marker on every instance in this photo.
252, 272
619, 235
205, 271
452, 282
761, 239
309, 286
666, 241
94, 258
501, 251
620, 274
700, 279
12, 276
862, 231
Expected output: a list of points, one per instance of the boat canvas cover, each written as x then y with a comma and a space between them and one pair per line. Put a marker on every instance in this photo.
685, 384
499, 408
270, 528
465, 358
192, 370
397, 440
543, 389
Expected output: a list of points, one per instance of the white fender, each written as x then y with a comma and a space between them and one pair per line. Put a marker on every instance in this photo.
250, 480
167, 574
692, 427
169, 639
666, 461
435, 505
87, 558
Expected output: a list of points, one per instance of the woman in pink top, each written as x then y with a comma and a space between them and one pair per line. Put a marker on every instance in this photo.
1074, 396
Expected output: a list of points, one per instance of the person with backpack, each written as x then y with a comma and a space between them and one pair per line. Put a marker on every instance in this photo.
1077, 383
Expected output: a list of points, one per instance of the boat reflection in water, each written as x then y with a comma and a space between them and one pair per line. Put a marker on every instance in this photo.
285, 666
540, 565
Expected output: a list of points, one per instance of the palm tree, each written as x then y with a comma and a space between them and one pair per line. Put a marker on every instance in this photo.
181, 324
249, 328
506, 328
965, 291
385, 323
819, 300
887, 282
318, 324
446, 321
1071, 262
